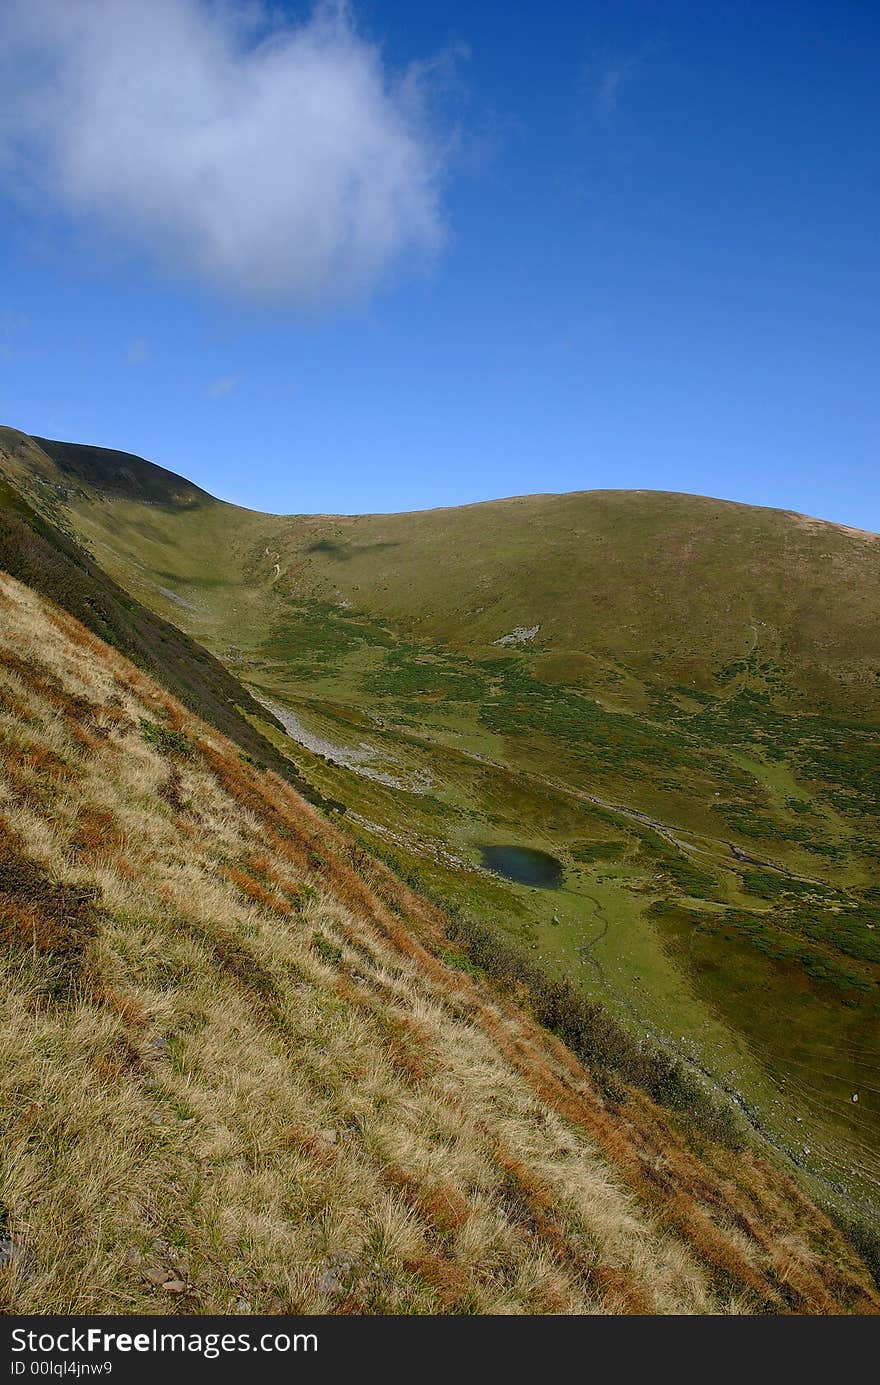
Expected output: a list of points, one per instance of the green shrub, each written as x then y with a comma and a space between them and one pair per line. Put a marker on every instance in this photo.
460, 961
169, 741
327, 950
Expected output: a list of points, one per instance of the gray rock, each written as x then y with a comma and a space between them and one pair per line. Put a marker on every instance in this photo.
521, 635
333, 1274
329, 1282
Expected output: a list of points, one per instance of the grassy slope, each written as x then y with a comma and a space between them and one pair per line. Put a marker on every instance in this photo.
646, 580
707, 664
41, 554
247, 1079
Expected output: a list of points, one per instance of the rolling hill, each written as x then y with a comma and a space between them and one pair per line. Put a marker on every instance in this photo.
674, 698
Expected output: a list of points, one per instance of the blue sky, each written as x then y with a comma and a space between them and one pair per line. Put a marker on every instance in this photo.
613, 245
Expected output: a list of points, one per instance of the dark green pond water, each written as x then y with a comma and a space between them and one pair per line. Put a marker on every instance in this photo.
524, 865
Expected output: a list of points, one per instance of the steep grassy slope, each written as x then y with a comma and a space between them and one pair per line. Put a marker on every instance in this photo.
686, 716
40, 554
244, 1068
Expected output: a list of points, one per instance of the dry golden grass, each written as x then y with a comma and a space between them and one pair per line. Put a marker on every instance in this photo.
235, 1077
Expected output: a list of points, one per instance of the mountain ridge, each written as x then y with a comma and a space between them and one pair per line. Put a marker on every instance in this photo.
57, 449
615, 571
677, 698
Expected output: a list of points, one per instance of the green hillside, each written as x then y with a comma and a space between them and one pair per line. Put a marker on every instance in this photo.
677, 698
51, 561
245, 1069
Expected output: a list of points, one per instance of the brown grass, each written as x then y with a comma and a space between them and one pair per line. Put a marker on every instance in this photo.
263, 1080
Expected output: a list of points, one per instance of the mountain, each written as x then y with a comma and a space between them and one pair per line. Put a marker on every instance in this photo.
122, 475
674, 700
245, 1068
667, 586
53, 563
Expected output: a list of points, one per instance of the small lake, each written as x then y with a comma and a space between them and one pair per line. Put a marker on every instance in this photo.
524, 865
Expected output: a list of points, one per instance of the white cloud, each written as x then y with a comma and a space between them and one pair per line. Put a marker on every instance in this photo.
277, 161
225, 385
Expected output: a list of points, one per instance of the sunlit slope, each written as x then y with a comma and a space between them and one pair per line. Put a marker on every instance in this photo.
665, 587
669, 586
243, 1069
683, 710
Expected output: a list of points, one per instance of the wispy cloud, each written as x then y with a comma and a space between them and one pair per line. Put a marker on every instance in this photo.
225, 385
609, 87
13, 326
606, 78
275, 160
